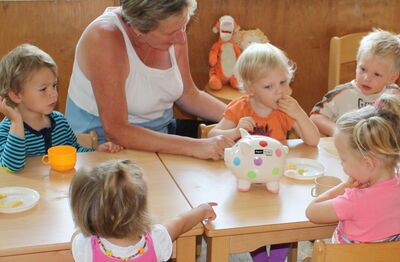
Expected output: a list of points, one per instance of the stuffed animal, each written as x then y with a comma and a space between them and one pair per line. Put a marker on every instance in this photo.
223, 55
244, 38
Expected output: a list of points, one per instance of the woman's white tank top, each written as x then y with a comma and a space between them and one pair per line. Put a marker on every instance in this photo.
150, 92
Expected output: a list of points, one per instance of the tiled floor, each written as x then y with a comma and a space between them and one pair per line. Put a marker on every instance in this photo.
304, 250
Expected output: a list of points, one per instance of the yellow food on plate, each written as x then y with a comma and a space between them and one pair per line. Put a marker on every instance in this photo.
3, 195
292, 166
15, 203
1, 204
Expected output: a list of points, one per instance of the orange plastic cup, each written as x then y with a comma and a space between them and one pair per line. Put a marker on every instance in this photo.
60, 158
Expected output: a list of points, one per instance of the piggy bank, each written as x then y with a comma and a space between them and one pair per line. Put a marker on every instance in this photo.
256, 159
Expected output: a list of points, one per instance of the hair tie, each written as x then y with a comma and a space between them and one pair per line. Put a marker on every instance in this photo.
379, 104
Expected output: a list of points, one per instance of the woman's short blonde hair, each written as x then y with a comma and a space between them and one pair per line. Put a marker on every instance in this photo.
18, 65
382, 44
145, 15
110, 200
259, 59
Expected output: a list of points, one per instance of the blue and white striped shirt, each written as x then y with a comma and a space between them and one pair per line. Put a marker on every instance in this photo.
14, 149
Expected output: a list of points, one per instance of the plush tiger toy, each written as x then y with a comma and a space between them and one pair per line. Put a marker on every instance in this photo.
224, 54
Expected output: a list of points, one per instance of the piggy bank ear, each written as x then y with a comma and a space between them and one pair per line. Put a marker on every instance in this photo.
244, 147
243, 133
286, 150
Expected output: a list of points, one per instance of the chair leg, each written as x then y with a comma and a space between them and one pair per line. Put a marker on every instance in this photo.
293, 252
199, 244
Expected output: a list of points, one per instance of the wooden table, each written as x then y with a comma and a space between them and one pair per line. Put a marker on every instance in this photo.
248, 220
226, 94
44, 232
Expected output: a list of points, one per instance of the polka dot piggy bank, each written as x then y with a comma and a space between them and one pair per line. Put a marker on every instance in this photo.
256, 159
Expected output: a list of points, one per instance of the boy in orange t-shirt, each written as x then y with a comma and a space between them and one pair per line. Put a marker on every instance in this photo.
266, 109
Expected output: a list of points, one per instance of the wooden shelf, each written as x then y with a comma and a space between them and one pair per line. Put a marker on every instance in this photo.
226, 94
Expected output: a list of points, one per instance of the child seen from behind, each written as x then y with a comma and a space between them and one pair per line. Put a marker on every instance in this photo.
109, 205
28, 96
378, 68
267, 109
366, 206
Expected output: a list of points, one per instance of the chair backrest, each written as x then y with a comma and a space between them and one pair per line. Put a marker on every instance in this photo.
204, 129
342, 50
385, 251
89, 140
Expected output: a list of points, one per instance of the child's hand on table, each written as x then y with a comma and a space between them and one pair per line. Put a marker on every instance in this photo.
109, 147
209, 213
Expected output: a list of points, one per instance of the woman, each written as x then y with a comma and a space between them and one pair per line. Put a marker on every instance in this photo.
131, 65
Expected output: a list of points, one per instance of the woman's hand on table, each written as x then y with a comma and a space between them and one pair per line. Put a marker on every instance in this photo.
211, 148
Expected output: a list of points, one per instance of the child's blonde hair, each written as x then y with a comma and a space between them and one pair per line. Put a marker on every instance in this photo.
383, 44
110, 200
374, 130
18, 65
258, 59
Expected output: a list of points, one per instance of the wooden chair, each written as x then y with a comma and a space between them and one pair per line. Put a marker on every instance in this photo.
371, 252
204, 129
89, 140
342, 50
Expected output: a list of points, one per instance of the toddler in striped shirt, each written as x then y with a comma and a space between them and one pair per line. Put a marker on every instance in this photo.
28, 96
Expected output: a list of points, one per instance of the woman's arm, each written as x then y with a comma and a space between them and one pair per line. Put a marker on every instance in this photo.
193, 100
107, 71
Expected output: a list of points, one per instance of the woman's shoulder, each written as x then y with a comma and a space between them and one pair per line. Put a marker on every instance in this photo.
99, 36
104, 30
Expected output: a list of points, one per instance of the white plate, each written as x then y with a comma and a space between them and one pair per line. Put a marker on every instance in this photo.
309, 168
29, 197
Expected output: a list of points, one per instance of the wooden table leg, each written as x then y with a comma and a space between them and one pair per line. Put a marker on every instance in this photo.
218, 249
292, 257
186, 249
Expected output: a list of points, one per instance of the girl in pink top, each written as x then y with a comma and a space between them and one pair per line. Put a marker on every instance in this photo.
366, 206
109, 205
